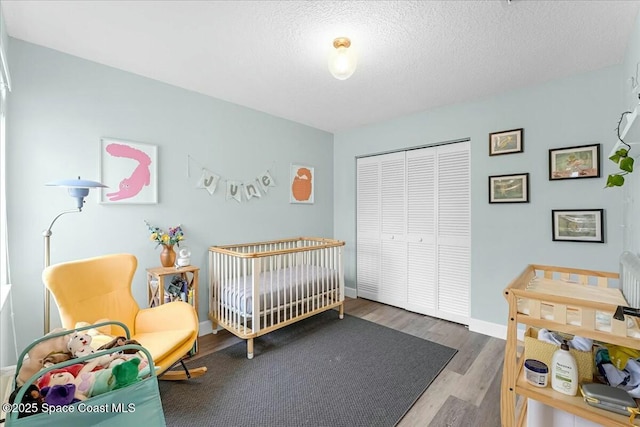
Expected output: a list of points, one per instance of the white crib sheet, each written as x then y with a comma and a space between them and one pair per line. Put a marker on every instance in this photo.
277, 287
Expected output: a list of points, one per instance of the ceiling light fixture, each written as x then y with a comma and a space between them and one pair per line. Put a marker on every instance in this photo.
342, 60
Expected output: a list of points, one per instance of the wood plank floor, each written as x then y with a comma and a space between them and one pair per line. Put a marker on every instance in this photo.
467, 391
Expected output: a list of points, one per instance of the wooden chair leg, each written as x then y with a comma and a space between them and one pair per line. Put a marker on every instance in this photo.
178, 375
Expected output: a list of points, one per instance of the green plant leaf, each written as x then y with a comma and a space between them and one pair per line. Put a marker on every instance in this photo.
615, 181
626, 164
620, 154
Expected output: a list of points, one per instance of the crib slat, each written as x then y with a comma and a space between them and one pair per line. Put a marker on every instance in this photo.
255, 309
560, 313
534, 308
588, 318
619, 327
603, 282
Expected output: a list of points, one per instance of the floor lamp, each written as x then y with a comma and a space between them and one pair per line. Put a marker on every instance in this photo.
78, 189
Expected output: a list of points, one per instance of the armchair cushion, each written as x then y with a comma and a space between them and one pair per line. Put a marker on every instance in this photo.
168, 331
163, 344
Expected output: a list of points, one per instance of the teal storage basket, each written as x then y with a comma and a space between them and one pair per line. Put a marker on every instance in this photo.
138, 404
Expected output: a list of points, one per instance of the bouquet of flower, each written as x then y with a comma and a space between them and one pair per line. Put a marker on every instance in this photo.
173, 237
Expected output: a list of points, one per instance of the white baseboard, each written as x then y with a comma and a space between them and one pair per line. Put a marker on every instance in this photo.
205, 328
350, 292
480, 326
492, 329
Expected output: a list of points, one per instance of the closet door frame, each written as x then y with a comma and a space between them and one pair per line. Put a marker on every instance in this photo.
412, 241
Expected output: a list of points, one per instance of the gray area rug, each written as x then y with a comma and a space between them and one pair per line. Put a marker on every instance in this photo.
321, 371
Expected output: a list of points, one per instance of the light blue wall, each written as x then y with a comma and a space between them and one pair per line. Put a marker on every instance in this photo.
4, 38
7, 352
629, 100
61, 106
505, 238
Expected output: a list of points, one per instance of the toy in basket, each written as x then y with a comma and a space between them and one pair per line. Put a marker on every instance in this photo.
72, 393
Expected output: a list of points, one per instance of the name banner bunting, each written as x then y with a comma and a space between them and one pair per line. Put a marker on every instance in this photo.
234, 189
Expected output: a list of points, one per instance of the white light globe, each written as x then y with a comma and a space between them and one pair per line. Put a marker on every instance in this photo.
342, 59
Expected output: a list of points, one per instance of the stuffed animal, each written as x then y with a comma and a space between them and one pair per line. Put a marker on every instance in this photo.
90, 383
126, 373
55, 358
119, 342
80, 345
32, 400
99, 335
60, 395
64, 376
37, 355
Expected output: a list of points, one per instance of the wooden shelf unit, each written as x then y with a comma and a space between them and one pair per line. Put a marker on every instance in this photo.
598, 295
157, 284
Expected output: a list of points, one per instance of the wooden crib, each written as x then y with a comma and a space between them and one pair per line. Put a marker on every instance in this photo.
292, 279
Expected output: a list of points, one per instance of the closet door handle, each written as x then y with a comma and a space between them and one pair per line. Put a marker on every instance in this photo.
420, 239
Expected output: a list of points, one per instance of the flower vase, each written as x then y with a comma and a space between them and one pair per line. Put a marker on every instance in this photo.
167, 256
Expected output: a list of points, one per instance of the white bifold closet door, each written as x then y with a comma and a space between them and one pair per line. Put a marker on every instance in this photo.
413, 230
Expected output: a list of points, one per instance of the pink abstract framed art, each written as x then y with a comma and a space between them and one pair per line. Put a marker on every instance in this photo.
130, 170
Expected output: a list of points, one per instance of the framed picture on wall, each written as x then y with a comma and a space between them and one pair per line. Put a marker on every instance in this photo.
302, 184
130, 170
582, 161
578, 225
506, 142
509, 188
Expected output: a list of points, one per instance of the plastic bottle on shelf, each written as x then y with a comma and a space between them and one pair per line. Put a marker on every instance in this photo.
564, 371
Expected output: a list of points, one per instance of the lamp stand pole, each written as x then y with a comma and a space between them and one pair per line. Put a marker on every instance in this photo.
47, 262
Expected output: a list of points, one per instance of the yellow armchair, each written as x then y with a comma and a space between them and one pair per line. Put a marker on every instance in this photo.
99, 288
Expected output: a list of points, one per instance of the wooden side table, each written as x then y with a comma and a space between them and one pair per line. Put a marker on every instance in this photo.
161, 291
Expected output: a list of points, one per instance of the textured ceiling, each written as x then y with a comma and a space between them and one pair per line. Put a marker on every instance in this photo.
272, 55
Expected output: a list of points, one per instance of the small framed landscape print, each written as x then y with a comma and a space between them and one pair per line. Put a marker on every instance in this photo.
578, 225
506, 142
574, 162
509, 188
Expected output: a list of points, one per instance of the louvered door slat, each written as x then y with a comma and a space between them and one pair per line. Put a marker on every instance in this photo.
454, 204
392, 185
393, 289
421, 278
368, 197
368, 268
453, 284
421, 192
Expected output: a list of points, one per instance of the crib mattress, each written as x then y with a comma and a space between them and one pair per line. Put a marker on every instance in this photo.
278, 287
